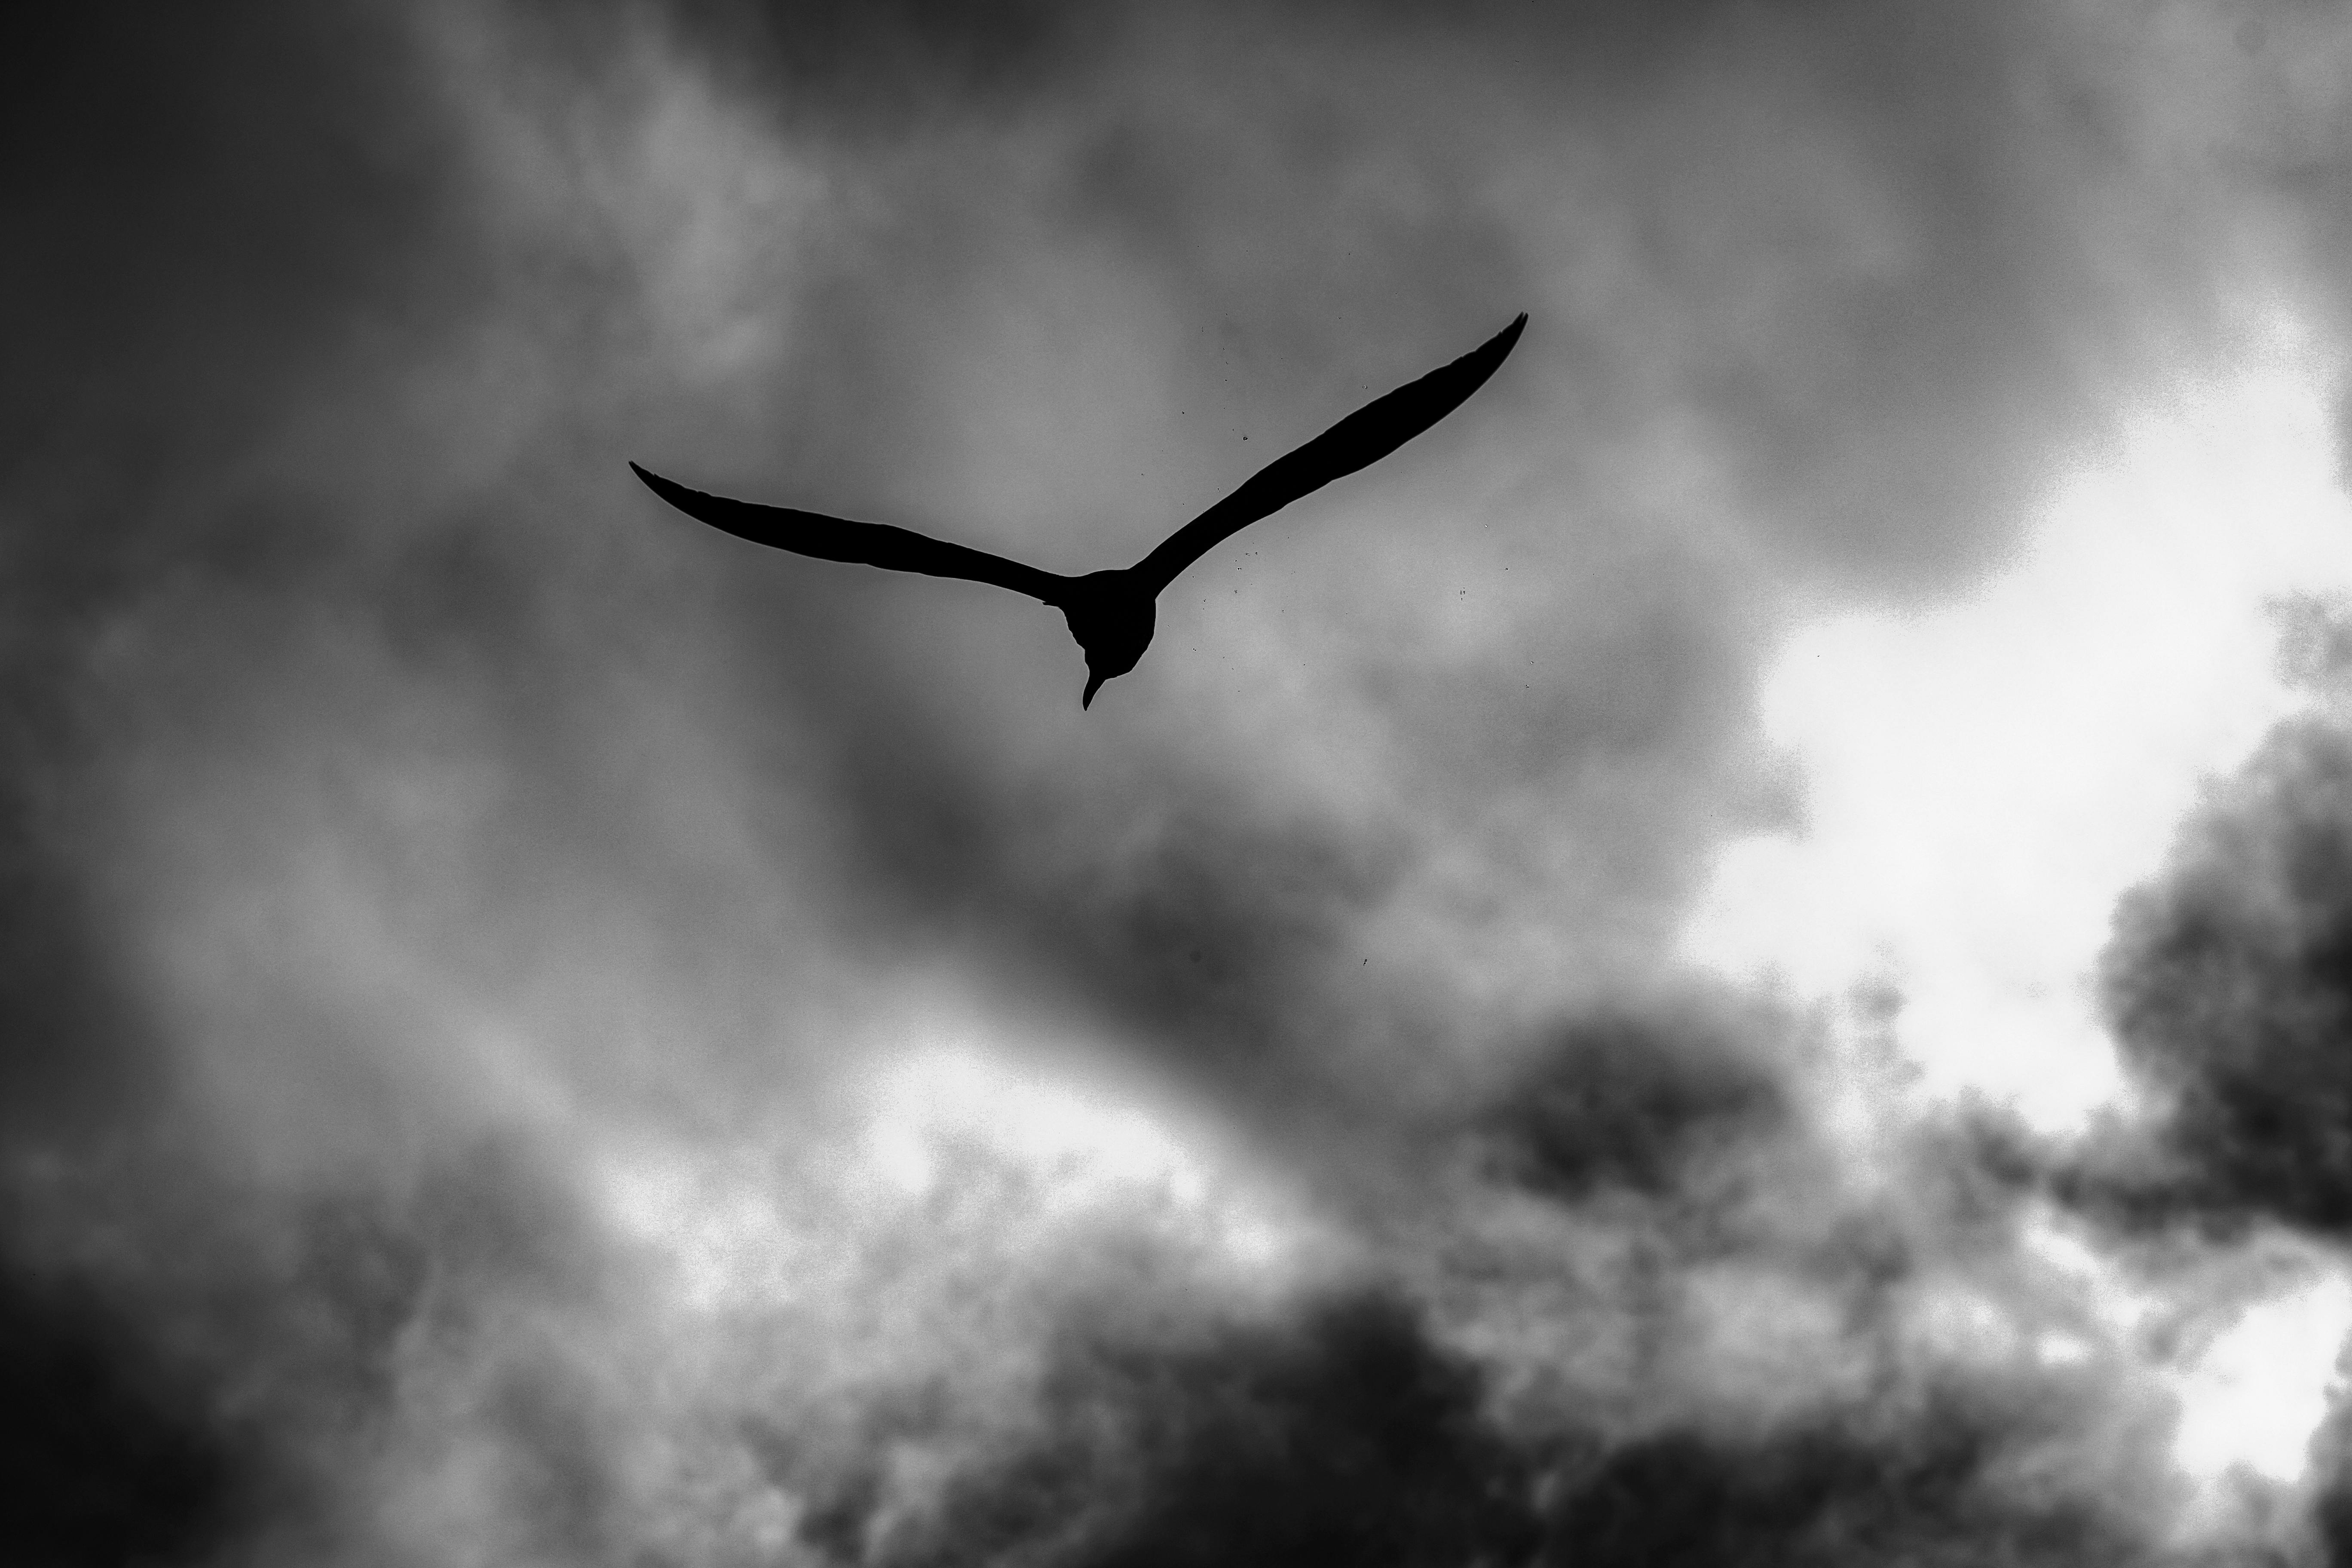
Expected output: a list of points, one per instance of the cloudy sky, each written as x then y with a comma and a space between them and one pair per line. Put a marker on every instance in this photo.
1742, 956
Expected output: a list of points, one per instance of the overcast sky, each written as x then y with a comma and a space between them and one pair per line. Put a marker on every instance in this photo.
1742, 954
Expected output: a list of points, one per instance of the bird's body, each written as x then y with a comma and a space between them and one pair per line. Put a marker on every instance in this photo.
1111, 612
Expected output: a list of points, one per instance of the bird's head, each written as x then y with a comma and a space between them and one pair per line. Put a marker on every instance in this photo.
1107, 658
1112, 619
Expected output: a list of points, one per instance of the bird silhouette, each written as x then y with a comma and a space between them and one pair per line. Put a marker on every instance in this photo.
1111, 613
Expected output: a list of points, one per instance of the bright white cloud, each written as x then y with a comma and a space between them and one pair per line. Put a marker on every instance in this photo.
2261, 1389
1983, 780
987, 1150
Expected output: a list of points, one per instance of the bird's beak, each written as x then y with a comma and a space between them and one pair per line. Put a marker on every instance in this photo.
1094, 684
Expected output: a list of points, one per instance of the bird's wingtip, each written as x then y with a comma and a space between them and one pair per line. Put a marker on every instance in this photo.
669, 490
1496, 349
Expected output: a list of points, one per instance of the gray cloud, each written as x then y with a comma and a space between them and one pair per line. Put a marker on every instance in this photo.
426, 860
2227, 982
1630, 1100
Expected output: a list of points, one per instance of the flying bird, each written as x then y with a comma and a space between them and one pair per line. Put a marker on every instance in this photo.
1111, 613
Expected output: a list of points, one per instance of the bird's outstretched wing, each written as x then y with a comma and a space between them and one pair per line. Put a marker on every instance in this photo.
868, 543
1363, 437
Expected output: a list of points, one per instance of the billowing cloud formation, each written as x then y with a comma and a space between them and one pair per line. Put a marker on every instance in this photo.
535, 1033
2229, 984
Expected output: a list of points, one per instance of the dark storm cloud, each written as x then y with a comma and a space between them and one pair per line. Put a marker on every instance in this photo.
1342, 1437
79, 1045
833, 66
1625, 1101
111, 1456
1213, 928
1830, 1495
195, 207
204, 1370
199, 211
2230, 980
216, 224
1346, 1436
